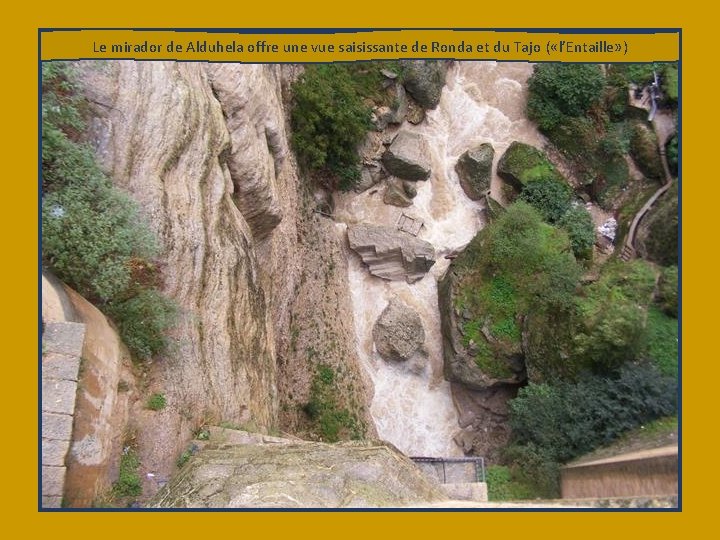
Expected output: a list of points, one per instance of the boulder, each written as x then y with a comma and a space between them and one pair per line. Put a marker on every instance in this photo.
398, 333
472, 355
424, 81
391, 254
474, 169
370, 175
408, 157
399, 193
298, 474
522, 163
494, 208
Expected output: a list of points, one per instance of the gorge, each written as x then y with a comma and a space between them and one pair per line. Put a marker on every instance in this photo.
303, 314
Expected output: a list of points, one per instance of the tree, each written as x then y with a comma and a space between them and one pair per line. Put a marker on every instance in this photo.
560, 90
579, 225
549, 196
329, 121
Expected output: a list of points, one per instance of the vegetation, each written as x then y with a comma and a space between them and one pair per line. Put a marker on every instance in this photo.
644, 151
553, 423
587, 116
144, 320
668, 291
329, 121
549, 197
558, 91
662, 342
333, 422
503, 485
128, 483
93, 235
156, 402
612, 313
184, 457
579, 226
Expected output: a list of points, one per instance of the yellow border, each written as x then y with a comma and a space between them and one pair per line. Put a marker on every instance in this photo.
19, 90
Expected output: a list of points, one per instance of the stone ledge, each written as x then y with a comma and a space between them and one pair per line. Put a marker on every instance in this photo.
64, 338
53, 481
56, 426
52, 501
58, 396
54, 452
60, 366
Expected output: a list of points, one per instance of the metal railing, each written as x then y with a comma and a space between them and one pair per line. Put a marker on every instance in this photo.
478, 462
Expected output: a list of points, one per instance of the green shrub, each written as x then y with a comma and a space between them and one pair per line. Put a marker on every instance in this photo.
332, 421
560, 90
612, 315
667, 296
93, 235
329, 121
644, 151
503, 486
156, 402
579, 226
555, 423
128, 483
550, 197
662, 345
670, 83
144, 320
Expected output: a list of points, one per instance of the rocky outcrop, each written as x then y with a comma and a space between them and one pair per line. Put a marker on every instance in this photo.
398, 332
391, 254
408, 157
477, 364
424, 80
399, 192
283, 473
474, 169
483, 417
522, 163
163, 138
250, 103
383, 115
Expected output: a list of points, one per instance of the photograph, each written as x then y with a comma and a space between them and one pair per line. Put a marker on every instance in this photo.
400, 284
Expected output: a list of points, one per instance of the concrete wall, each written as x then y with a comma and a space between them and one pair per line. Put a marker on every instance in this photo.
647, 473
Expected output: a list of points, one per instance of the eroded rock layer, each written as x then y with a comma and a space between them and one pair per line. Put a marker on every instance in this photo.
391, 254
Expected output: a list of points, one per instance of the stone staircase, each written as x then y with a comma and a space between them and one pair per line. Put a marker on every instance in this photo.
62, 344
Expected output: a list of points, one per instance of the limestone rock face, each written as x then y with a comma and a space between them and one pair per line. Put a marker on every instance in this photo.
163, 139
298, 474
391, 254
398, 332
249, 101
424, 81
408, 157
474, 169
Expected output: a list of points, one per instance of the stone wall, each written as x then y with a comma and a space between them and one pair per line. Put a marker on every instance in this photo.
62, 344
